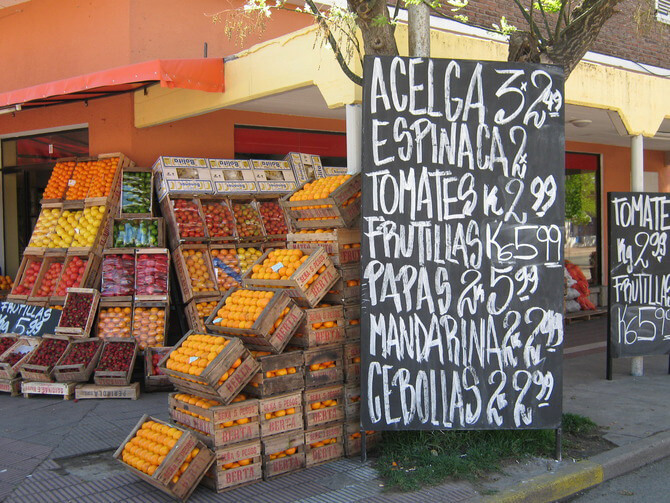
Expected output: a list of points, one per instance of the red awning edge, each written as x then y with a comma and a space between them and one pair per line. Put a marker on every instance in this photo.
198, 74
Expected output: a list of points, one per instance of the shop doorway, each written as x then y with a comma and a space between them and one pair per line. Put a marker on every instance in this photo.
583, 243
27, 163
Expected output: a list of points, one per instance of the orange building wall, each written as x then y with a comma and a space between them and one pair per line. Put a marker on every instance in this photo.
65, 38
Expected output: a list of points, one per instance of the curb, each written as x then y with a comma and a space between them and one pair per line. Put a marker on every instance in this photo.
586, 474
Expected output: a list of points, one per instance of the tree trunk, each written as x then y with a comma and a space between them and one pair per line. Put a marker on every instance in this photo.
378, 39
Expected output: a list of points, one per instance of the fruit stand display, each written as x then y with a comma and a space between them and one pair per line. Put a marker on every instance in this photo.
118, 274
154, 378
79, 311
143, 232
79, 360
136, 192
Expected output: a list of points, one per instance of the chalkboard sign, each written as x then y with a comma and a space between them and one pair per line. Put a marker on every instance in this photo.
639, 273
28, 320
462, 244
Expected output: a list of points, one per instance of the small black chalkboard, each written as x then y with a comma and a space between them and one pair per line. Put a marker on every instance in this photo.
462, 245
639, 273
27, 320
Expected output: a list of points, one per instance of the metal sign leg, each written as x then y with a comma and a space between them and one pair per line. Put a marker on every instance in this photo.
364, 450
559, 444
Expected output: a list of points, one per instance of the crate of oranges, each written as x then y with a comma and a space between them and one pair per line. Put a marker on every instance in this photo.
263, 319
352, 320
218, 425
57, 184
324, 444
198, 310
115, 319
352, 402
353, 438
322, 325
307, 278
343, 246
214, 366
324, 365
150, 322
281, 413
236, 465
278, 374
347, 289
283, 453
352, 362
323, 405
334, 201
195, 273
106, 178
167, 457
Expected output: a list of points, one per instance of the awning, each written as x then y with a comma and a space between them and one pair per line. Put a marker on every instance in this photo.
198, 74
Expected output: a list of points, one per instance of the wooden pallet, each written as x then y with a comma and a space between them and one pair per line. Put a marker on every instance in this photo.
96, 391
11, 386
66, 390
584, 315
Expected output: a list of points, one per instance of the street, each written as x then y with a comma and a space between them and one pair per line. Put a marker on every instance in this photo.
649, 484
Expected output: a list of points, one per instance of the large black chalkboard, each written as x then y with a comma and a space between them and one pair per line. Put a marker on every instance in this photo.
639, 273
462, 249
23, 319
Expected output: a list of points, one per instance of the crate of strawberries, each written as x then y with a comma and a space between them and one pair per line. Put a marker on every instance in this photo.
40, 365
79, 311
15, 354
115, 367
78, 361
154, 378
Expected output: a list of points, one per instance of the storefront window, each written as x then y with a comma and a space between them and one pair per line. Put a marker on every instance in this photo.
582, 214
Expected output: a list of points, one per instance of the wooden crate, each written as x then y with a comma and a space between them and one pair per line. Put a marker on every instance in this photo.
153, 381
343, 291
11, 386
319, 445
218, 424
14, 295
89, 279
108, 256
281, 219
352, 362
227, 473
297, 285
103, 230
41, 373
137, 169
175, 238
188, 289
343, 246
209, 382
263, 386
263, 336
352, 403
141, 269
352, 318
46, 264
115, 377
162, 478
309, 337
352, 439
95, 391
341, 208
123, 162
23, 345
66, 390
323, 405
315, 377
273, 466
227, 270
130, 239
193, 318
271, 424
7, 341
78, 372
150, 337
32, 249
207, 201
107, 307
84, 331
253, 209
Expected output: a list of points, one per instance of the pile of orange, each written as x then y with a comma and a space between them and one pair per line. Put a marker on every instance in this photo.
323, 405
237, 464
57, 185
352, 245
327, 441
197, 264
358, 434
102, 174
80, 181
279, 264
280, 413
282, 454
150, 445
198, 401
352, 199
149, 326
321, 366
205, 308
354, 322
225, 273
229, 372
6, 283
355, 398
280, 372
320, 188
114, 322
196, 353
242, 308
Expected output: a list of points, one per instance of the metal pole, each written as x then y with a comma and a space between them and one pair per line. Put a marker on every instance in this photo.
418, 21
364, 447
559, 443
636, 185
354, 117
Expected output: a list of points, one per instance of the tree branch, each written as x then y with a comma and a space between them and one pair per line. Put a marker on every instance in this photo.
356, 79
559, 18
546, 21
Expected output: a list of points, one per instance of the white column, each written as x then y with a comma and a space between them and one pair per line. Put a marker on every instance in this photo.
636, 185
354, 138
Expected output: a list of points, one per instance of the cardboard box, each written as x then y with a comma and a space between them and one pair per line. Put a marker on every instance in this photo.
232, 176
283, 453
324, 444
305, 166
281, 413
334, 170
236, 466
268, 383
330, 327
343, 246
263, 335
317, 373
323, 405
274, 176
182, 176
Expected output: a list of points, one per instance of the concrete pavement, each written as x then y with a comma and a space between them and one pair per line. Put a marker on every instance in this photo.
53, 450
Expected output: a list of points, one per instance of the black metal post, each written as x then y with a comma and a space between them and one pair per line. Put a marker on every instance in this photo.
364, 449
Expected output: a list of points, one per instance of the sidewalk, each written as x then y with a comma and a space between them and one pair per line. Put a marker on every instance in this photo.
53, 450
